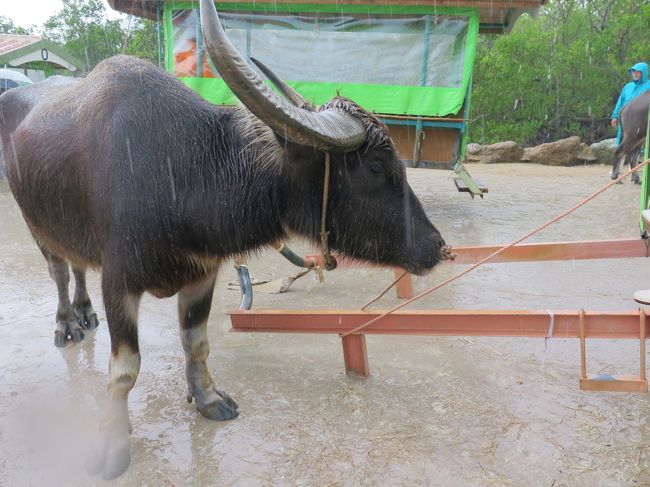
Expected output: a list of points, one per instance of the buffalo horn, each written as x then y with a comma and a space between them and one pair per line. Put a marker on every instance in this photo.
287, 91
329, 129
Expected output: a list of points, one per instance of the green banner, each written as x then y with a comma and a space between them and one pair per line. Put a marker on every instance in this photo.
380, 98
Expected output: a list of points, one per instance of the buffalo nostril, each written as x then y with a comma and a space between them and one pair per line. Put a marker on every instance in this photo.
447, 253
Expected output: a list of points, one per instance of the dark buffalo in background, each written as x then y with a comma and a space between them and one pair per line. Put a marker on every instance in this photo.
634, 121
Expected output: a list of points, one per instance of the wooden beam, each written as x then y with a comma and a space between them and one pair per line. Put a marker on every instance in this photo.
404, 286
480, 4
487, 323
147, 8
535, 252
531, 252
355, 355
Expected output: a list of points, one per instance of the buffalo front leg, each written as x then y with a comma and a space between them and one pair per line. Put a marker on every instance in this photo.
112, 453
67, 325
194, 302
83, 308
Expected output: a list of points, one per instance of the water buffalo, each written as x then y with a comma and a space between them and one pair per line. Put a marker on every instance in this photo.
18, 102
633, 119
71, 318
130, 172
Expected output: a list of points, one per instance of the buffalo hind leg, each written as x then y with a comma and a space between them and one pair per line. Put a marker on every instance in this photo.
194, 302
67, 325
83, 308
111, 455
634, 161
618, 166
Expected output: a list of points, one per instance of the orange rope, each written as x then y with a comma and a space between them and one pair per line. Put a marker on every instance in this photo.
381, 295
493, 254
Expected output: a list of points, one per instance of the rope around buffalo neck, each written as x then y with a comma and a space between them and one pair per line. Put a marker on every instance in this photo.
493, 254
328, 259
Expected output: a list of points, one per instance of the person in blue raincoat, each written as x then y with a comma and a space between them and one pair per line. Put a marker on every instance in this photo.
631, 90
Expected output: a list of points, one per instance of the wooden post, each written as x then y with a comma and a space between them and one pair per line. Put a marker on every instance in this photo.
355, 355
642, 372
583, 346
405, 285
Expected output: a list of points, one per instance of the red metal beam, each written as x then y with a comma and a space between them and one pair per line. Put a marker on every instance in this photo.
580, 250
355, 355
608, 324
533, 252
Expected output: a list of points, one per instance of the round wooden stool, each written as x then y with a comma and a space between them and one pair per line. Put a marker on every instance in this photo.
642, 297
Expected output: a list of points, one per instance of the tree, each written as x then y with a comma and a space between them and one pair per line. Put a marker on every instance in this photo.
7, 26
562, 71
85, 32
142, 39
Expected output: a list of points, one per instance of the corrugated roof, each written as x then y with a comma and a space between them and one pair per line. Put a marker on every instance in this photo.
12, 42
19, 50
495, 16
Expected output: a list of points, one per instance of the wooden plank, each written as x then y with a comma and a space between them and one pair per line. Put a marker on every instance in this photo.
494, 323
533, 252
642, 337
437, 145
404, 286
487, 5
615, 383
355, 355
462, 187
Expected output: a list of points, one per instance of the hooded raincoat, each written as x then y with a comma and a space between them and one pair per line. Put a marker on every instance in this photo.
631, 91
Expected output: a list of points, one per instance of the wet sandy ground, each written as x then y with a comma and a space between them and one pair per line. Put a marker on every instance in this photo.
436, 411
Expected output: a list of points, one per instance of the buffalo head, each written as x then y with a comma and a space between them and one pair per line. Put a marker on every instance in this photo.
372, 212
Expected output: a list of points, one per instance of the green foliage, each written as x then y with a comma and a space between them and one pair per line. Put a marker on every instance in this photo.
559, 74
142, 40
85, 32
7, 26
83, 29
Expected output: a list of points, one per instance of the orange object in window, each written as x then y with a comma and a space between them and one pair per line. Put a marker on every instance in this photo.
185, 62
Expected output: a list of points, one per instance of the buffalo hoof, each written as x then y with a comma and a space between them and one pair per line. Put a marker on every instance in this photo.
66, 331
87, 317
110, 457
76, 334
92, 322
215, 404
59, 338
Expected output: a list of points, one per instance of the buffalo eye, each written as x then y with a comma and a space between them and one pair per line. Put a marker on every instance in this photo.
376, 168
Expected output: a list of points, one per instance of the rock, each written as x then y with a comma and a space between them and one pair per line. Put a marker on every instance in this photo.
500, 152
585, 155
526, 156
603, 151
473, 148
563, 152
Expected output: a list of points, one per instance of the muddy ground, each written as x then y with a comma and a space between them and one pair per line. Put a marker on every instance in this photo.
435, 411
